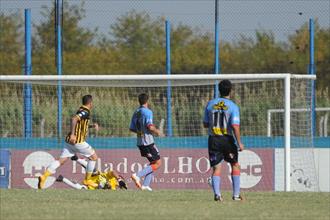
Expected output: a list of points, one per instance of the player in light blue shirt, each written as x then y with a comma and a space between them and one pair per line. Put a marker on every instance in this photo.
222, 119
221, 114
142, 125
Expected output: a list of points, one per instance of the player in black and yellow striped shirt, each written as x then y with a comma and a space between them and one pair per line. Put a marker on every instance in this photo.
76, 143
80, 124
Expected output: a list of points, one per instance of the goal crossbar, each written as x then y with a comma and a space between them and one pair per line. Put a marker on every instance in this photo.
261, 76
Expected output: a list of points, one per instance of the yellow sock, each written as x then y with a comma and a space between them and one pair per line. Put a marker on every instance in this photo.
88, 175
47, 173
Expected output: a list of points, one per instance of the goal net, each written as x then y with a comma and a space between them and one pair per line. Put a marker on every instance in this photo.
35, 119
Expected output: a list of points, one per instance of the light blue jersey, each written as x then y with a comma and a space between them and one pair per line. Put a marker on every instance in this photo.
221, 114
141, 121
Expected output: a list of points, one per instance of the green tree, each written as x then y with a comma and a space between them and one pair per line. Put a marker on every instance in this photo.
192, 50
298, 52
268, 55
140, 41
251, 55
322, 49
76, 39
11, 44
137, 31
299, 56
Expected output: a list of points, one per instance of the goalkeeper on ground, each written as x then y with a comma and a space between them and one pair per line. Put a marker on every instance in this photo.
101, 180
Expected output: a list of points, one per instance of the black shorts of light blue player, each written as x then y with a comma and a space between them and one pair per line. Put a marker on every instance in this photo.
150, 152
222, 148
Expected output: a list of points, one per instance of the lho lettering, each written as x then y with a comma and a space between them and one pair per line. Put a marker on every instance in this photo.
170, 165
252, 170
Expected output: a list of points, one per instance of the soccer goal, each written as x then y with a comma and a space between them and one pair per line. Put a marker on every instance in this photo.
35, 119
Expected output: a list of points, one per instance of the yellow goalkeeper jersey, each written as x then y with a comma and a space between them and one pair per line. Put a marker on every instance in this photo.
104, 178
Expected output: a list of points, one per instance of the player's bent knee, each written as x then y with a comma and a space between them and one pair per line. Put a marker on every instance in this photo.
216, 170
236, 169
236, 166
156, 164
93, 157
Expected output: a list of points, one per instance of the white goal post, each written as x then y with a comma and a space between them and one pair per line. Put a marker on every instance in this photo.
177, 80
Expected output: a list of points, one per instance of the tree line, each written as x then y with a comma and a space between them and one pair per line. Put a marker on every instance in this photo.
136, 45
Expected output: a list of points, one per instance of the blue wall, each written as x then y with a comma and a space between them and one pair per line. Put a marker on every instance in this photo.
4, 168
168, 142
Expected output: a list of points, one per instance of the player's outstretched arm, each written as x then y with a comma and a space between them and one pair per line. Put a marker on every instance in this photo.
95, 126
120, 179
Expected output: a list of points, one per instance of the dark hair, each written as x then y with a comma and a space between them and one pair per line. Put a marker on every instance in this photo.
225, 87
143, 98
86, 99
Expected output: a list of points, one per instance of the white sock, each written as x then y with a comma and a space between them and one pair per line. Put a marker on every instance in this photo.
73, 185
53, 166
90, 166
82, 162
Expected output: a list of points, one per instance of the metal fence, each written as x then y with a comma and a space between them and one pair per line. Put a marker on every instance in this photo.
128, 37
121, 37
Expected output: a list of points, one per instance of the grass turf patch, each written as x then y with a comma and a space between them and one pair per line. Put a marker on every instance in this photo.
162, 204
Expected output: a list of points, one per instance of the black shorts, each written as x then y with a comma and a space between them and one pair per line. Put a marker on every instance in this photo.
222, 148
150, 152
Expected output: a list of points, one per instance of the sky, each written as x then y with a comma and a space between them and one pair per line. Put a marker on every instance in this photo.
282, 17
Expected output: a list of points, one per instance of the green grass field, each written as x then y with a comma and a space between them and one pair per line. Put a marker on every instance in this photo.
162, 204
